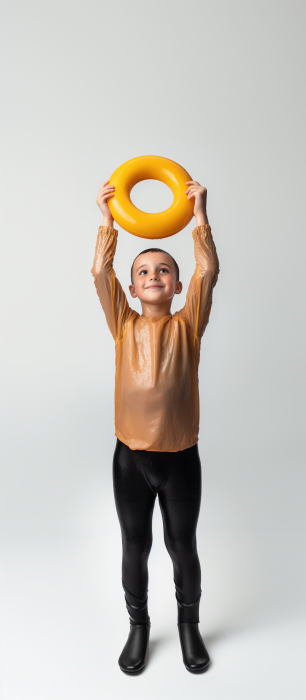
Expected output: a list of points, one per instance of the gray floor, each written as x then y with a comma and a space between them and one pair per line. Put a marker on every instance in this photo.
61, 636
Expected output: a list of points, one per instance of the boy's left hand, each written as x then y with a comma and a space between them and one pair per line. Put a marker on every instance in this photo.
200, 197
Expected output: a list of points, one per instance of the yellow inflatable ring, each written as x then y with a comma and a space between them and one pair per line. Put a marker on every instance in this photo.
140, 223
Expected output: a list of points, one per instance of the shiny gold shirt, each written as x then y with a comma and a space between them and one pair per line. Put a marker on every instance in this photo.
157, 359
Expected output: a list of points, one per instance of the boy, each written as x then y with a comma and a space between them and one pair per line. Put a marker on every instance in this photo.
157, 421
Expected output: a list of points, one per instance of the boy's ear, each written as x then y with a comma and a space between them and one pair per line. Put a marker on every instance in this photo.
178, 288
132, 291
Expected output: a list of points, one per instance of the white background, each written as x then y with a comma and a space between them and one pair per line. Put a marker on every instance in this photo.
219, 88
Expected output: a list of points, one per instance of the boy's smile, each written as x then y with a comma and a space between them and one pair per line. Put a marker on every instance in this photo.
154, 286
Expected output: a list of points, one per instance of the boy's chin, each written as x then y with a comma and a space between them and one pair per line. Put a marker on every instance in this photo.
154, 299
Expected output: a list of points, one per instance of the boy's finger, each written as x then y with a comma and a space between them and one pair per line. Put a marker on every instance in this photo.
105, 187
102, 194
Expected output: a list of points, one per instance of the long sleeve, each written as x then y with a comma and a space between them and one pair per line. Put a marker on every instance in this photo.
110, 292
199, 296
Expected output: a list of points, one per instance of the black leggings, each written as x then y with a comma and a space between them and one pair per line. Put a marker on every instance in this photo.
138, 475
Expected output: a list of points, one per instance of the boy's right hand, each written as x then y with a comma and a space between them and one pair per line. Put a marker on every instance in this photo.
105, 192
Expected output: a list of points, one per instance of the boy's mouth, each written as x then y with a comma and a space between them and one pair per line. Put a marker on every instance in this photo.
159, 286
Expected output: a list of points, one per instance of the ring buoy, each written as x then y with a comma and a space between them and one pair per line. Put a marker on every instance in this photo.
140, 223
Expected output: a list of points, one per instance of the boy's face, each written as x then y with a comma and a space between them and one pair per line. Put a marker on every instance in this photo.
154, 278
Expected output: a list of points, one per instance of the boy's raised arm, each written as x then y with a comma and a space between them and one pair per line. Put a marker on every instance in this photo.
199, 296
110, 292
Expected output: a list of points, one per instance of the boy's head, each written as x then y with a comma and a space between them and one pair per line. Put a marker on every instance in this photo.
155, 276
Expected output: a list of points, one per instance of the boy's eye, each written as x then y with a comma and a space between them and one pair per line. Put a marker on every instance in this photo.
161, 269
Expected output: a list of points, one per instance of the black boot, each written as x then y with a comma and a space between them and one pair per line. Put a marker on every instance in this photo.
195, 654
134, 655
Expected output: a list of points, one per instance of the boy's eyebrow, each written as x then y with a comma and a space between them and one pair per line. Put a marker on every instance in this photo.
145, 265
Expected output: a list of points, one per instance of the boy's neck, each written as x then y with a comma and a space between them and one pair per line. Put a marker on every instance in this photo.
156, 310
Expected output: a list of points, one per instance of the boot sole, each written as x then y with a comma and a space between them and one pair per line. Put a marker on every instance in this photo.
132, 673
202, 669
